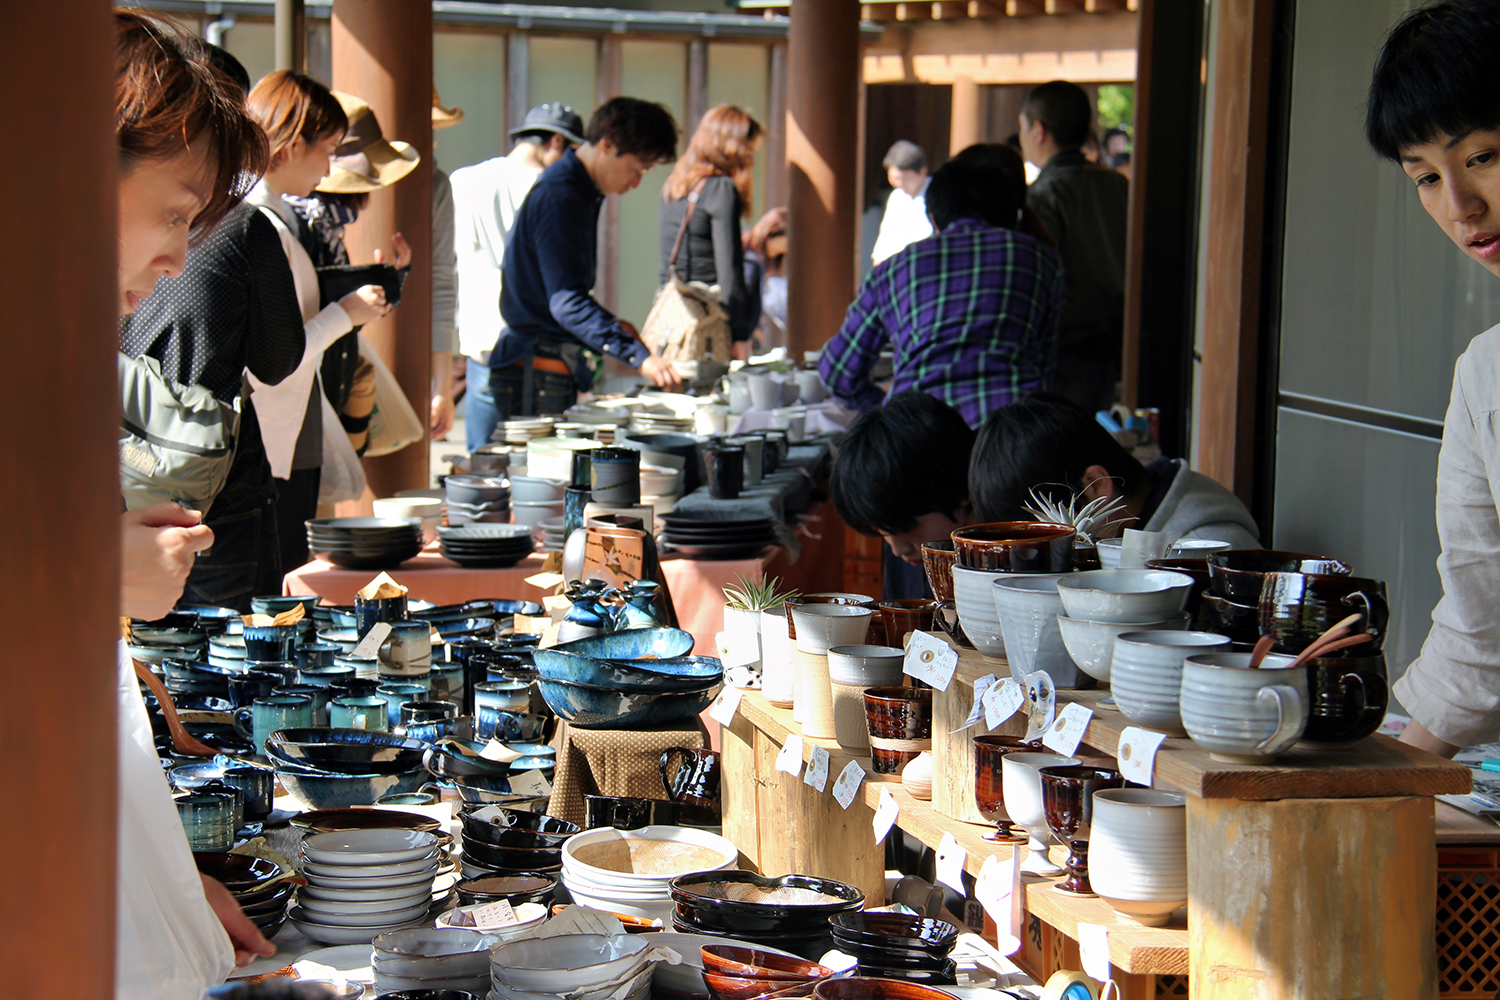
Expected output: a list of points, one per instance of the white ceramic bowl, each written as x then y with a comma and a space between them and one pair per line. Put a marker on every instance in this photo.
475, 985
533, 512
1028, 607
1125, 595
533, 488
422, 507
1196, 548
820, 626
1146, 675
566, 962
1092, 644
1021, 788
1241, 715
697, 847
866, 666
336, 934
635, 984
1109, 550
457, 946
528, 915
1138, 852
658, 907
974, 598
368, 847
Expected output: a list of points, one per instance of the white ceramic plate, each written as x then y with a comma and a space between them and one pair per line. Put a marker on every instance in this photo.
384, 920
423, 863
377, 895
371, 882
331, 934
340, 907
368, 847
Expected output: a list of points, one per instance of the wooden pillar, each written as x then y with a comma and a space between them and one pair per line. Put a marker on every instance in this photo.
1236, 198
967, 126
60, 466
775, 146
606, 86
382, 52
696, 105
1159, 297
518, 80
291, 36
822, 130
1308, 899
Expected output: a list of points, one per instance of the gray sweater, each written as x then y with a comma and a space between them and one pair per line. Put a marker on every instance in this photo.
1198, 507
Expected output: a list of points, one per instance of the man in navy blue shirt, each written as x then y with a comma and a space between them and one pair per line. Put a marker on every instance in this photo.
542, 360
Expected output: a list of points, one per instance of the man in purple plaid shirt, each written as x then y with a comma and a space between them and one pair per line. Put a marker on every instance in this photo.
971, 313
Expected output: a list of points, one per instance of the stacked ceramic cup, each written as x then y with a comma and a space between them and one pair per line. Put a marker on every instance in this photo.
985, 553
819, 627
1101, 604
853, 670
362, 883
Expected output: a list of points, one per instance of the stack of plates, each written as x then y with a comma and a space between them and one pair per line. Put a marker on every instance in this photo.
422, 958
522, 429
578, 966
365, 542
630, 871
661, 423
362, 883
553, 537
477, 499
696, 538
258, 885
486, 546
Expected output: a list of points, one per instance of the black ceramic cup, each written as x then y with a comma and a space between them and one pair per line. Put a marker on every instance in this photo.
726, 471
427, 711
1296, 608
379, 609
1349, 697
625, 813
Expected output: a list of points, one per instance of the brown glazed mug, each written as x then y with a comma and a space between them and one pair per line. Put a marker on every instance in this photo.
1348, 698
937, 560
989, 751
1237, 574
1068, 801
909, 615
1296, 608
898, 714
1016, 547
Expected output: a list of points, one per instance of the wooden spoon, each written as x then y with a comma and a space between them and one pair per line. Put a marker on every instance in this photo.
181, 739
1336, 632
1330, 647
1262, 647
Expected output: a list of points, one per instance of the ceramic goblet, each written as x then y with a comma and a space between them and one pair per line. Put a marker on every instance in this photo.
989, 751
1021, 785
1068, 801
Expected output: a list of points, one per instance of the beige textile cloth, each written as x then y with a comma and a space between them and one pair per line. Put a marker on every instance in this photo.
613, 762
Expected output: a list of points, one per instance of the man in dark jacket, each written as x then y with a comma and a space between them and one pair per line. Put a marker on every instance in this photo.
1085, 207
552, 318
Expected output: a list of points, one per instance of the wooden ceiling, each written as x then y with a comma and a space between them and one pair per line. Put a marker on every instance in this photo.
955, 10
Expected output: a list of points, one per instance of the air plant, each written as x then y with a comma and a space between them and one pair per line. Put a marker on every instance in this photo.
1090, 521
752, 596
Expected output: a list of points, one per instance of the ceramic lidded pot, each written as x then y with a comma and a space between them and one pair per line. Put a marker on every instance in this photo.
900, 725
1145, 676
1016, 546
1240, 714
1027, 607
1138, 844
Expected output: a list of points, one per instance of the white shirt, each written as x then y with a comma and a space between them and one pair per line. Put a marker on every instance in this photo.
905, 222
486, 198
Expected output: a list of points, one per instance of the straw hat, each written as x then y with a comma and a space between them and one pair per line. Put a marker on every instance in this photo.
366, 160
444, 117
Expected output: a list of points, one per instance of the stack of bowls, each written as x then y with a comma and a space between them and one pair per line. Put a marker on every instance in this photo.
365, 542
477, 500
578, 966
485, 546
536, 499
257, 884
176, 637
1235, 579
497, 840
421, 958
898, 946
630, 871
733, 972
790, 912
636, 679
526, 917
517, 888
362, 883
338, 768
429, 511
492, 459
1100, 604
553, 535
984, 553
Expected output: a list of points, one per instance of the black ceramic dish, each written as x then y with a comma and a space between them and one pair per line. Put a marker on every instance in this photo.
516, 888
704, 900
238, 872
944, 975
810, 943
331, 820
500, 836
520, 819
515, 859
350, 751
895, 930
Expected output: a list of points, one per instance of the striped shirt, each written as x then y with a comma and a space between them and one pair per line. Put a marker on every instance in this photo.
971, 315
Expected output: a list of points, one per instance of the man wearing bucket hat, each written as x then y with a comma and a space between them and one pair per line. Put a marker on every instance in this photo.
486, 199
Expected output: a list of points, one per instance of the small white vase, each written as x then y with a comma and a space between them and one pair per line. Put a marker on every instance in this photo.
776, 659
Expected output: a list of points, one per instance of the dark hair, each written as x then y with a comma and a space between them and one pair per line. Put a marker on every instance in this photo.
899, 461
1064, 109
289, 105
539, 137
1435, 76
1011, 167
225, 62
969, 189
168, 95
905, 155
638, 128
1043, 442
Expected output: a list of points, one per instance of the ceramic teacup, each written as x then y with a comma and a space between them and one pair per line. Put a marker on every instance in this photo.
1139, 849
207, 819
1145, 675
1027, 607
269, 642
1068, 801
989, 751
427, 711
398, 693
1348, 698
316, 654
1296, 608
1240, 714
277, 711
1239, 573
359, 712
378, 609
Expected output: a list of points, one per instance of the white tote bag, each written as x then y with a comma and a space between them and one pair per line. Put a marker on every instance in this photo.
393, 422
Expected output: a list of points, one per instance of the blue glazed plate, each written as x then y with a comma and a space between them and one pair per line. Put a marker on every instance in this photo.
683, 673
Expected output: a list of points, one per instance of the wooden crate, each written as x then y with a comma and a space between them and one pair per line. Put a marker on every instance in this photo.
1468, 923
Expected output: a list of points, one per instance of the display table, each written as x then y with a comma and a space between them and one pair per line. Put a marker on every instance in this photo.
1312, 878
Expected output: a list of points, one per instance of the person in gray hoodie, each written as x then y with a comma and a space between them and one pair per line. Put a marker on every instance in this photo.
1050, 444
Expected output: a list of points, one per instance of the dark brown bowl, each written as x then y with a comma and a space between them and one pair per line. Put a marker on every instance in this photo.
1016, 547
735, 988
1237, 574
238, 872
869, 988
749, 963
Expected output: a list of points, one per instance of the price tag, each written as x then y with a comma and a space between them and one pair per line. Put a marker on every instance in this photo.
1136, 754
885, 815
1093, 948
1041, 700
530, 783
725, 706
1002, 701
998, 889
790, 757
931, 660
1064, 735
977, 712
848, 783
817, 769
950, 863
494, 914
499, 752
370, 644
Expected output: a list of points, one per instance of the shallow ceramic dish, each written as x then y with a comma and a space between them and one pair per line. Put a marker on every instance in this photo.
566, 962
590, 706
737, 902
1123, 595
319, 908
320, 892
894, 930
527, 915
518, 819
646, 858
683, 673
336, 934
370, 881
516, 888
521, 859
500, 835
238, 872
368, 847
331, 820
753, 963
349, 751
476, 489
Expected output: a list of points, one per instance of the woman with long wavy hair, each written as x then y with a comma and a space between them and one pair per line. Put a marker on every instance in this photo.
714, 177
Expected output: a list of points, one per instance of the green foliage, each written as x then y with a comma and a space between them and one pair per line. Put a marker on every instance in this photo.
762, 596
1116, 106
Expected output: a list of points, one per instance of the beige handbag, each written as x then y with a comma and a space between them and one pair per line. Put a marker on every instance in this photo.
687, 321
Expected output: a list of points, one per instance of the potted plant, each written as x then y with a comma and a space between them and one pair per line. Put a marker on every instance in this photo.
745, 602
1093, 521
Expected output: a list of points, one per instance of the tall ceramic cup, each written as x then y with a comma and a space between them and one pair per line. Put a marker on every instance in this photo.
852, 670
820, 626
776, 681
1240, 714
1138, 849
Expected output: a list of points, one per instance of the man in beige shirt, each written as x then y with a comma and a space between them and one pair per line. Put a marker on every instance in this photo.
1435, 109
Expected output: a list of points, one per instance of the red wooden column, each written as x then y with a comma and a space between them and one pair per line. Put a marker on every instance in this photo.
382, 52
60, 550
822, 132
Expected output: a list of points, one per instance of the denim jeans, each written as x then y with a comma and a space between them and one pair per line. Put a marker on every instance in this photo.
480, 415
244, 561
554, 392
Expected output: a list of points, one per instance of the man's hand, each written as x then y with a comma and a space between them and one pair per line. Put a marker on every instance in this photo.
247, 939
739, 350
157, 548
661, 373
441, 420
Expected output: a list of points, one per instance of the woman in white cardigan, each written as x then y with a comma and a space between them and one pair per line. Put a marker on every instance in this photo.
305, 125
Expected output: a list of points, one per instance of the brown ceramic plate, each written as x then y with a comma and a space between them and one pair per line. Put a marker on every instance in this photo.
330, 820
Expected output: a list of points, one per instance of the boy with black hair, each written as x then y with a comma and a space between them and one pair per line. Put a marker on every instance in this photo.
552, 319
1434, 108
902, 472
1051, 444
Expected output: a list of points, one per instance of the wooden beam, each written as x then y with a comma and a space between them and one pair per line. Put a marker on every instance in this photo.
606, 86
517, 80
776, 165
1065, 6
950, 10
913, 11
697, 87
1105, 6
967, 115
1023, 8
291, 35
985, 8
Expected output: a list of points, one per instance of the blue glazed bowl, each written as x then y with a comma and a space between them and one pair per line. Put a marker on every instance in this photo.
683, 673
445, 761
590, 706
278, 603
343, 617
508, 726
454, 628
323, 790
348, 751
344, 638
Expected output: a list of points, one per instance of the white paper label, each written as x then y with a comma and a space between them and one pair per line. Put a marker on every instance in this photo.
530, 783
725, 706
950, 863
790, 757
998, 890
1041, 700
370, 644
930, 660
977, 711
1093, 949
494, 914
885, 815
817, 768
847, 785
1002, 701
1137, 546
1064, 735
1136, 754
499, 752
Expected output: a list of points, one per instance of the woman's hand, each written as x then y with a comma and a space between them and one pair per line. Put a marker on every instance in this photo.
157, 547
739, 350
365, 304
247, 939
400, 250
